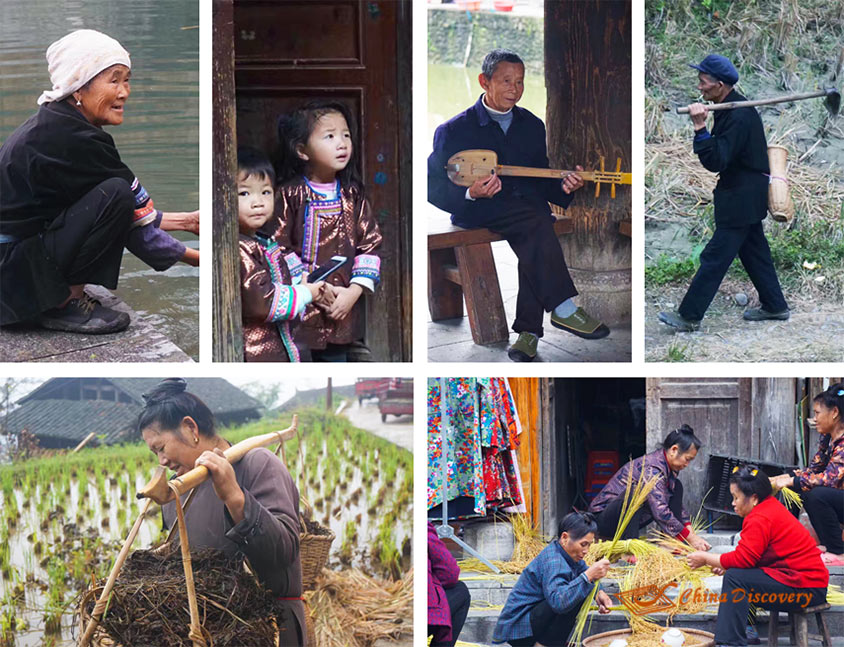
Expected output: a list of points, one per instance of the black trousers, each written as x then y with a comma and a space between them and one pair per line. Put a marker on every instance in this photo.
738, 586
549, 628
825, 507
459, 600
607, 519
751, 246
544, 280
86, 240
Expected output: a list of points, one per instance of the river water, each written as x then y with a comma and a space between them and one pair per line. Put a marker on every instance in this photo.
159, 139
452, 89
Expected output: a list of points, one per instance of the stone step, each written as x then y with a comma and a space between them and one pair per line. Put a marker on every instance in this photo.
142, 341
480, 624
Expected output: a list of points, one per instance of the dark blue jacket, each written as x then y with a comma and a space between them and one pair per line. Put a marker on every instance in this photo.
736, 150
523, 145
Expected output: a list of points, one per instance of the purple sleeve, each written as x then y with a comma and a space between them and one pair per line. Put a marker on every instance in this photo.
155, 247
444, 567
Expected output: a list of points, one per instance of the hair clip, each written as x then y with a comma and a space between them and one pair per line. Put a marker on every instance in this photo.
735, 469
755, 472
839, 392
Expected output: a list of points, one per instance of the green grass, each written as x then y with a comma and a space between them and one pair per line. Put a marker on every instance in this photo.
667, 270
677, 353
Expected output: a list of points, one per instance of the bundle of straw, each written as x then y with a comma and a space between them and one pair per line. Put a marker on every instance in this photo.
636, 547
351, 609
834, 595
528, 544
634, 497
791, 499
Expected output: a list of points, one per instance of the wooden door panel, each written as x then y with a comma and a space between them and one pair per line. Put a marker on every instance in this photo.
296, 34
287, 52
718, 409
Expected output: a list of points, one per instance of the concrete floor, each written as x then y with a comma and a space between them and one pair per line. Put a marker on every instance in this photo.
450, 340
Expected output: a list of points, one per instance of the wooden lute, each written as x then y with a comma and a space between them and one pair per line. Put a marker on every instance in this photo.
465, 167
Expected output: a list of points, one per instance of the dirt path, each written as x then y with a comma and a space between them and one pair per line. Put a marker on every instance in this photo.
814, 333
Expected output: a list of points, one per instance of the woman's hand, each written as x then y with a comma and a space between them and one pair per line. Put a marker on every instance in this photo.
604, 602
697, 542
344, 300
782, 481
180, 221
698, 559
598, 570
317, 289
191, 257
224, 480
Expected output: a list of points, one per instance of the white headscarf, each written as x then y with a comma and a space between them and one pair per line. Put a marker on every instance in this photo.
79, 57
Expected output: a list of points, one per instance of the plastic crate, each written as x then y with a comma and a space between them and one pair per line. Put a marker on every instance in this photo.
600, 465
718, 472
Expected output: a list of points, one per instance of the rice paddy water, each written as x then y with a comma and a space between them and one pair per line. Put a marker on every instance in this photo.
65, 516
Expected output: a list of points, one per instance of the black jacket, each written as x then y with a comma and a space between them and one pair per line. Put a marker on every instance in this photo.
523, 145
737, 150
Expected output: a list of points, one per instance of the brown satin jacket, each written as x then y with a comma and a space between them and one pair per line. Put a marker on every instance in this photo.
315, 229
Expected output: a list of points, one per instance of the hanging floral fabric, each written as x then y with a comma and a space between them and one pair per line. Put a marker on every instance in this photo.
463, 461
501, 483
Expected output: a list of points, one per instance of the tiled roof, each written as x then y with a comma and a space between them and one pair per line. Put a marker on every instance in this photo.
74, 419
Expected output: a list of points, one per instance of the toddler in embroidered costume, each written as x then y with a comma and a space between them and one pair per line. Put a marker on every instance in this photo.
270, 299
322, 213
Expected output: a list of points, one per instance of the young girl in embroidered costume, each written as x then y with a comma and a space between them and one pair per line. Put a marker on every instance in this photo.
322, 213
269, 298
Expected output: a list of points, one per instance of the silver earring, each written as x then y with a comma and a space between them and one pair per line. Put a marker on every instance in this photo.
78, 102
195, 439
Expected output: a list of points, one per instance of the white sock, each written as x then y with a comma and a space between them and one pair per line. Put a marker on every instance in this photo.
565, 309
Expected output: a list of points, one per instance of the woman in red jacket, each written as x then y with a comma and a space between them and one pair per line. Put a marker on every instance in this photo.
775, 565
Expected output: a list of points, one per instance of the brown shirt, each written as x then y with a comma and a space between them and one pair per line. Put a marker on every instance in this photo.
268, 535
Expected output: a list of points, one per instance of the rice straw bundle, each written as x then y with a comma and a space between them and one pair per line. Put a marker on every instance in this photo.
636, 547
791, 499
634, 497
528, 544
351, 609
834, 595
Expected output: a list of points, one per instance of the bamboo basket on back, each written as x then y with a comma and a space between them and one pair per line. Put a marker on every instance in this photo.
780, 205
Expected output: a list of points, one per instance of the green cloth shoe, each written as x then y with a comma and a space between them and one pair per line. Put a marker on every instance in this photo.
580, 324
760, 314
675, 320
524, 350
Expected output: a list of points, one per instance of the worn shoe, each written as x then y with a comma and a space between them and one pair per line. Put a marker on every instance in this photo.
524, 349
84, 315
675, 320
760, 314
580, 324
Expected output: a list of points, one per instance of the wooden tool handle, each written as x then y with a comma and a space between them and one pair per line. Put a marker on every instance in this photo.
730, 105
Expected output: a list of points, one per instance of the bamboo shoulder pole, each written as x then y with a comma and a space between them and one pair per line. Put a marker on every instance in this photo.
83, 443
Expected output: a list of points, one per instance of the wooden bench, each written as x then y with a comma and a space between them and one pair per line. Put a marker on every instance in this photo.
461, 266
798, 621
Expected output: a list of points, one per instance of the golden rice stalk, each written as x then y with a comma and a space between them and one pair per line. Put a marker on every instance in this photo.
834, 595
791, 499
634, 497
636, 547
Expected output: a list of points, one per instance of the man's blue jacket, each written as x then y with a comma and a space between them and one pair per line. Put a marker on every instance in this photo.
523, 145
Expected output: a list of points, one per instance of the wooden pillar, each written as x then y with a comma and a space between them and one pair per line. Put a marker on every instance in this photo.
228, 334
588, 79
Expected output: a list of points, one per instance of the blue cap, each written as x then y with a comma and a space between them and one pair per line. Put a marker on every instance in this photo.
719, 67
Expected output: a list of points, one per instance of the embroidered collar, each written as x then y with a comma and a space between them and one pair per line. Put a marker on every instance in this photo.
320, 193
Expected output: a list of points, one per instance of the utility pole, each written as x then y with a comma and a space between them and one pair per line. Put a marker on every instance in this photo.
328, 398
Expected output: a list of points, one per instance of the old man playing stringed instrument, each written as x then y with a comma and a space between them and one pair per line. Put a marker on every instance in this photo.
489, 168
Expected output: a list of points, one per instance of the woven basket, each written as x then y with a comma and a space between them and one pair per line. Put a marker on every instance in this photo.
101, 637
313, 553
